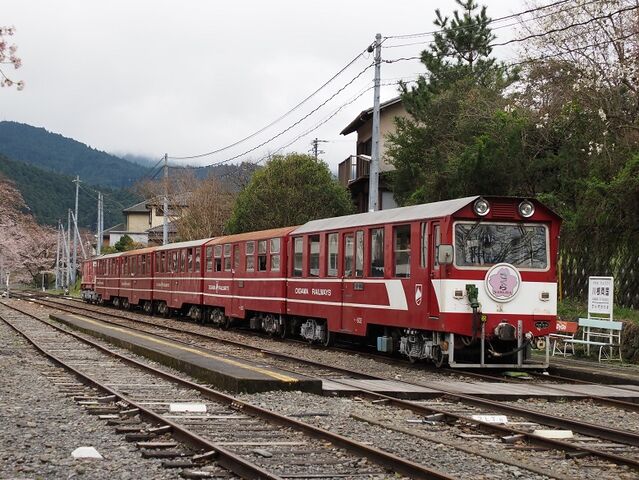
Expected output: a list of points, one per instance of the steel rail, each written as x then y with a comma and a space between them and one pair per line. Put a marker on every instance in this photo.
223, 457
384, 459
585, 428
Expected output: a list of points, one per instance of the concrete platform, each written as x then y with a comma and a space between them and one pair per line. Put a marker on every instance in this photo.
491, 390
222, 371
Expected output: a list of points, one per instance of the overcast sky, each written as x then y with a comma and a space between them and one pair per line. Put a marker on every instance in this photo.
185, 77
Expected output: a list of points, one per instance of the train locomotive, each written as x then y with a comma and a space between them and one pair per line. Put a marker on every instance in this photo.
468, 282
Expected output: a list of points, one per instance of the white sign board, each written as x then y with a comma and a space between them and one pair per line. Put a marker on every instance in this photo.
600, 295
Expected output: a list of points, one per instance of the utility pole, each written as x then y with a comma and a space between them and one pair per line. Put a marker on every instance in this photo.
373, 177
75, 232
98, 245
315, 147
57, 260
165, 229
68, 244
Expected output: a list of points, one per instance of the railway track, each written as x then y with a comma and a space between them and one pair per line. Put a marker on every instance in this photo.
438, 412
249, 441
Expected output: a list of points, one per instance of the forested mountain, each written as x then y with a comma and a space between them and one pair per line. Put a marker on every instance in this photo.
51, 151
48, 195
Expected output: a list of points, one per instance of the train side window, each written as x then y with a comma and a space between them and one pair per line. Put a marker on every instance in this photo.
261, 255
183, 261
163, 263
250, 256
275, 254
314, 255
209, 259
190, 260
333, 252
298, 256
236, 257
377, 252
197, 260
349, 250
218, 258
424, 250
401, 236
359, 253
227, 257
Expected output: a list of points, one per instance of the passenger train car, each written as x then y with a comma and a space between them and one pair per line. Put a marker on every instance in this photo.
468, 282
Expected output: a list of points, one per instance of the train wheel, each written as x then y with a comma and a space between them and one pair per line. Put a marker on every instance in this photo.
147, 307
217, 317
283, 329
226, 324
116, 302
125, 304
438, 356
328, 338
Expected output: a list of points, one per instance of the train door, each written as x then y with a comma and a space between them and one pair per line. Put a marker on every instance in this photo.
434, 270
348, 260
237, 308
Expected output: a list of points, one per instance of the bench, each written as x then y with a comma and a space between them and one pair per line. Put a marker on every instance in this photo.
565, 331
596, 332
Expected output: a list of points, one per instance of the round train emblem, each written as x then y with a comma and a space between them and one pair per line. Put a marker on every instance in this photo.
502, 282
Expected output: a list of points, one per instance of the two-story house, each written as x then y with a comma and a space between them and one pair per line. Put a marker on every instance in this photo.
353, 173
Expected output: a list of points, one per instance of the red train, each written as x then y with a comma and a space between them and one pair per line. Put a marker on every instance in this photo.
468, 282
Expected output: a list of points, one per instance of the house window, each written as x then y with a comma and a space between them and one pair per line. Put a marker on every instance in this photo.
261, 255
275, 254
333, 251
298, 256
377, 252
314, 255
349, 247
227, 257
401, 250
209, 259
359, 253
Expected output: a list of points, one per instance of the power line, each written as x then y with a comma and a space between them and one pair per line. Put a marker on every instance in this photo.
252, 135
350, 82
495, 20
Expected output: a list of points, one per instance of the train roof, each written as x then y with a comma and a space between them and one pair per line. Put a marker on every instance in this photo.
393, 215
259, 235
108, 255
188, 244
140, 251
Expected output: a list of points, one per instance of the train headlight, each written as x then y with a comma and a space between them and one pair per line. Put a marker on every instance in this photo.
526, 209
481, 207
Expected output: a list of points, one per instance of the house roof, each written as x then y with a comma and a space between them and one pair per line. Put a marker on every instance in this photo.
402, 214
160, 228
137, 208
365, 115
120, 227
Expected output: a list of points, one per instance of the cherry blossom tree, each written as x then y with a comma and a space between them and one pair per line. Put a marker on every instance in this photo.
8, 57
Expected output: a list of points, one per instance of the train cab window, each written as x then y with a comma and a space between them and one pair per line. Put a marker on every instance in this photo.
209, 259
298, 256
218, 258
197, 260
333, 251
227, 257
359, 253
349, 250
275, 254
424, 249
250, 256
314, 255
401, 251
377, 252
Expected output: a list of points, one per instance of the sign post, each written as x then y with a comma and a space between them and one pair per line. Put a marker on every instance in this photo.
600, 297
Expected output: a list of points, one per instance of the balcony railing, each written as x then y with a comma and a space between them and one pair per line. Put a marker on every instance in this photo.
353, 168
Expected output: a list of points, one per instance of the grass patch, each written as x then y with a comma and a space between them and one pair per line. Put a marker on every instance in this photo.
571, 310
